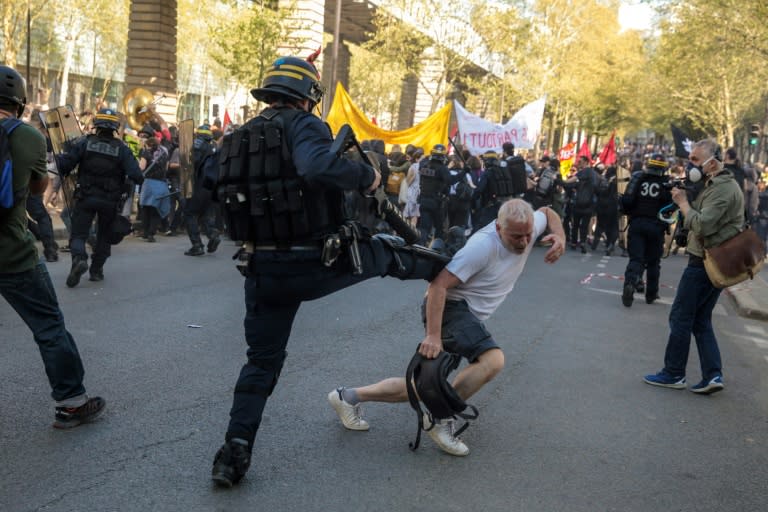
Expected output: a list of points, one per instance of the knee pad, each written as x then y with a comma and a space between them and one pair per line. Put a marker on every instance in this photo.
265, 382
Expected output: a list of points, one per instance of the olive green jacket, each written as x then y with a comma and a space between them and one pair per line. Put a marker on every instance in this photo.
716, 215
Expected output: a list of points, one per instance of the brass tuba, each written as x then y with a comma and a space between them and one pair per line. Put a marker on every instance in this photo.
136, 106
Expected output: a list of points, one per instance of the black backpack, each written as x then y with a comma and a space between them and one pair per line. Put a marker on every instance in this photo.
546, 182
518, 174
429, 377
8, 197
463, 189
585, 192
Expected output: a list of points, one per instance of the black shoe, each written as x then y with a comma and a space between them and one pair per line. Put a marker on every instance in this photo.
65, 249
170, 232
230, 464
609, 250
150, 238
650, 299
640, 287
97, 274
583, 249
79, 266
68, 417
213, 244
195, 250
628, 295
51, 254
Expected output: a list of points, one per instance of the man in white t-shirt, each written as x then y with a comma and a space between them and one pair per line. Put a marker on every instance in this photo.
465, 293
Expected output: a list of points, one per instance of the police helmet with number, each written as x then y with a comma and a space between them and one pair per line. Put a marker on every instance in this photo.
107, 118
13, 88
291, 77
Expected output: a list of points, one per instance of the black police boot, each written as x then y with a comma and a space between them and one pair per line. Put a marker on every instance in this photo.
79, 266
213, 243
231, 463
51, 253
628, 294
97, 274
195, 250
640, 287
651, 296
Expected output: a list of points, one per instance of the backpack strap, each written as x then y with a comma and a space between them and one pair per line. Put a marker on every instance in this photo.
414, 401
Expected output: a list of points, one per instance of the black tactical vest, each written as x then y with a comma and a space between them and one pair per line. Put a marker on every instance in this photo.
264, 200
201, 149
649, 195
100, 173
500, 185
431, 182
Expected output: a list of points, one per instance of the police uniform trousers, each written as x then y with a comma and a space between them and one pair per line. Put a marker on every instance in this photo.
430, 216
40, 215
645, 245
200, 210
85, 210
278, 283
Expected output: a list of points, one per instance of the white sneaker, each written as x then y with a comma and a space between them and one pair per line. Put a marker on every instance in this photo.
442, 434
350, 415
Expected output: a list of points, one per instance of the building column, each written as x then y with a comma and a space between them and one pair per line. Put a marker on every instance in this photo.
151, 59
342, 70
407, 108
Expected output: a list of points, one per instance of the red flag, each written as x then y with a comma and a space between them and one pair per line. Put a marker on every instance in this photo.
227, 120
608, 154
584, 151
374, 122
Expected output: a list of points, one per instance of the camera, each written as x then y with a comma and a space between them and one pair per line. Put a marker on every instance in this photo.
674, 184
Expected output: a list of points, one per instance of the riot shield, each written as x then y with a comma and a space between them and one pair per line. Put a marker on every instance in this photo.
63, 127
186, 168
622, 180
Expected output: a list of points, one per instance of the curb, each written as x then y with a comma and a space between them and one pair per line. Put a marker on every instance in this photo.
745, 302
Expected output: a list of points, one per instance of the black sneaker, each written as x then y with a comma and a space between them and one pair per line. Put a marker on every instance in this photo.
195, 250
213, 244
230, 464
628, 295
51, 254
68, 417
97, 274
79, 266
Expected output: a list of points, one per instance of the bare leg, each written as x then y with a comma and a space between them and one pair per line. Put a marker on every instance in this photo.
388, 390
476, 375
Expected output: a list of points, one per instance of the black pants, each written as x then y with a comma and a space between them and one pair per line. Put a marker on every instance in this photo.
200, 211
280, 281
580, 227
431, 215
85, 210
40, 215
458, 213
608, 223
150, 220
178, 204
645, 246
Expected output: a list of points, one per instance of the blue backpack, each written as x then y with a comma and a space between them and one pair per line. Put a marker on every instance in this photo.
8, 196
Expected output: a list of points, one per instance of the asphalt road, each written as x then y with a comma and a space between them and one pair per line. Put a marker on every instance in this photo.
567, 426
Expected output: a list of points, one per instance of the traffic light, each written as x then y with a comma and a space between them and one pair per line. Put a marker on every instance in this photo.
754, 135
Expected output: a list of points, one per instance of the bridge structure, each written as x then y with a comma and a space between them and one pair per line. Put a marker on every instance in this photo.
151, 60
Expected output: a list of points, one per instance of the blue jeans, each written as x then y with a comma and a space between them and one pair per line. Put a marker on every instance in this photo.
692, 314
32, 295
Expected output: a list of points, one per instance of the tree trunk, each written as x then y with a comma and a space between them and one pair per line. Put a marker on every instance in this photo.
70, 50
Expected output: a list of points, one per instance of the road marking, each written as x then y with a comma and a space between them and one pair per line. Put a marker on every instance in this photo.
754, 329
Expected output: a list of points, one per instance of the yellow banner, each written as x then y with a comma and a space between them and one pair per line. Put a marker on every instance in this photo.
566, 155
433, 130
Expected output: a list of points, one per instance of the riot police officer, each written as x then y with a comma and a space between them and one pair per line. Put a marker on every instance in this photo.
281, 185
435, 181
105, 161
200, 207
647, 192
495, 187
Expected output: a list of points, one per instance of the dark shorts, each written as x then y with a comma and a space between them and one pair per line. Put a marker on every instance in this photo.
462, 332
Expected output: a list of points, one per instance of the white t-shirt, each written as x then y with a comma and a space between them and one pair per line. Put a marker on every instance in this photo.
487, 270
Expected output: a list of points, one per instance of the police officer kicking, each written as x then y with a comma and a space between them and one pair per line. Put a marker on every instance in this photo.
647, 192
281, 184
105, 161
199, 208
459, 300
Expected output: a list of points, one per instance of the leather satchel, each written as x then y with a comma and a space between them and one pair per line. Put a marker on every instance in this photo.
735, 260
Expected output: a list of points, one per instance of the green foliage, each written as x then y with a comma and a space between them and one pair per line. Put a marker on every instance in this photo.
246, 49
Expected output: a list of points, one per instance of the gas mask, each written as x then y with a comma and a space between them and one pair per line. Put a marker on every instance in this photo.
694, 173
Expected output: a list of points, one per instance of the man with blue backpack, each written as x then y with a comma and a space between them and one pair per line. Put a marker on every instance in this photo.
24, 280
